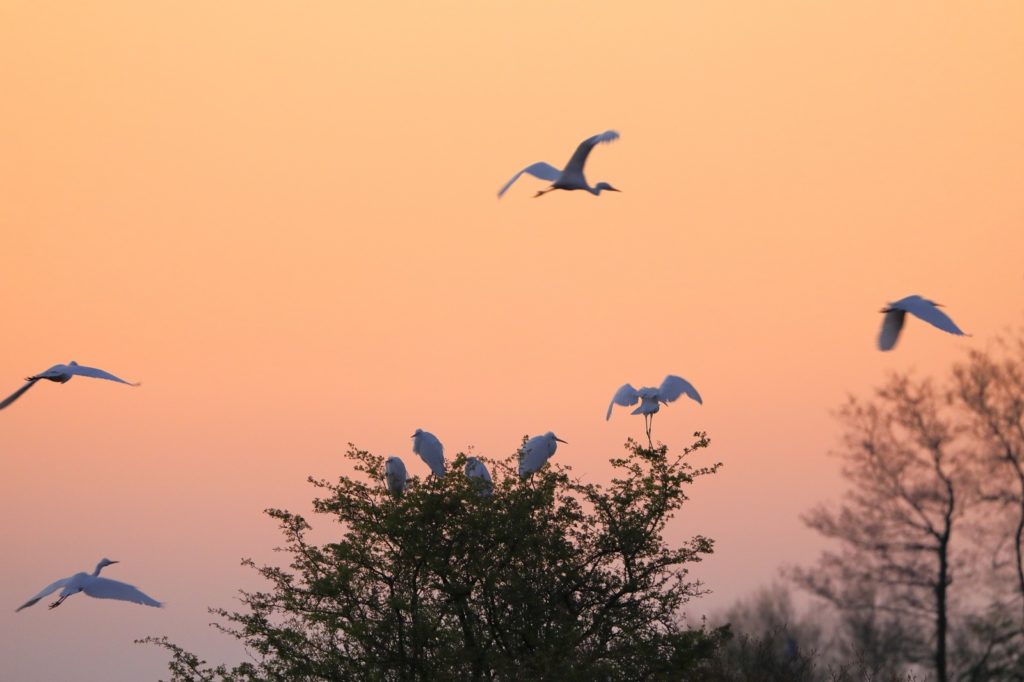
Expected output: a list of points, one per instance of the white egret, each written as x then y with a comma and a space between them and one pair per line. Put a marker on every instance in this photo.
476, 469
896, 312
537, 451
62, 374
571, 177
94, 586
395, 475
650, 398
430, 450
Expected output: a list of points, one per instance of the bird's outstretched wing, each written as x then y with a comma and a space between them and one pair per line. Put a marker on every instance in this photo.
17, 394
105, 588
544, 171
929, 312
673, 387
891, 326
49, 589
579, 157
82, 370
625, 396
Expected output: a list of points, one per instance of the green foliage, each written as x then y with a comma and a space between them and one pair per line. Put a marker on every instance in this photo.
548, 578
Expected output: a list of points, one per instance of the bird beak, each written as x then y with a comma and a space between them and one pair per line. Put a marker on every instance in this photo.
560, 440
614, 190
115, 562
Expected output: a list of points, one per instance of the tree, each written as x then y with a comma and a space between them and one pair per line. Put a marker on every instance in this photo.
547, 578
910, 485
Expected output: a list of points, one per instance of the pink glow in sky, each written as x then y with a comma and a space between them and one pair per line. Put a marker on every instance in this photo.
281, 219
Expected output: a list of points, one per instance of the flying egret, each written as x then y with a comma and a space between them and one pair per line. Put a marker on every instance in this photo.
477, 470
430, 450
62, 374
920, 307
537, 451
395, 475
651, 398
572, 176
94, 586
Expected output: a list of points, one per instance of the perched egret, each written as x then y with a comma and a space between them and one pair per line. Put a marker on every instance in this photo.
62, 374
395, 475
430, 450
651, 398
477, 470
537, 451
94, 586
572, 176
919, 307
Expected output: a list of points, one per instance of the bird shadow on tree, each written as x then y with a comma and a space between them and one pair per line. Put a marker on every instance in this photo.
547, 577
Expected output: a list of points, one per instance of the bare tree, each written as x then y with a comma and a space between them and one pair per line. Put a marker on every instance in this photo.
891, 576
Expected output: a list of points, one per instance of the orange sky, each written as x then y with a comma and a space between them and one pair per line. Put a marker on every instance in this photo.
281, 218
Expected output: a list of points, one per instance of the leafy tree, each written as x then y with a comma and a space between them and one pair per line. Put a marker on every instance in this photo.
546, 578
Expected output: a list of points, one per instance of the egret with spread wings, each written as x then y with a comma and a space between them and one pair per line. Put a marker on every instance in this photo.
571, 177
93, 586
896, 313
651, 398
62, 374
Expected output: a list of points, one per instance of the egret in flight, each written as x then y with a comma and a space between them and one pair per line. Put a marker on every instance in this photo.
476, 469
430, 450
537, 451
571, 177
62, 374
94, 586
650, 399
920, 307
395, 475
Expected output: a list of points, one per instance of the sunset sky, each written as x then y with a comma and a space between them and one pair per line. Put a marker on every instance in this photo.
281, 219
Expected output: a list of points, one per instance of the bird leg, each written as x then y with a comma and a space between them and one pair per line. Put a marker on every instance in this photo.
648, 423
543, 192
58, 602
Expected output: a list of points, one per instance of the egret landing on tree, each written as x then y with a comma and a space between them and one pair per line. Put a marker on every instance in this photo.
572, 176
650, 399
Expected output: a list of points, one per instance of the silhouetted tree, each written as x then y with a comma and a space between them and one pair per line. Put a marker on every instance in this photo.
910, 486
547, 578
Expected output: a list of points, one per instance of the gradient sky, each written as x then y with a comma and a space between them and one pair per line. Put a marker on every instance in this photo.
281, 219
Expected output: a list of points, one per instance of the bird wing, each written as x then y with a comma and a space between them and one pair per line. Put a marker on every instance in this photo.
84, 371
49, 589
105, 588
17, 394
544, 171
579, 157
891, 326
625, 396
673, 387
930, 313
